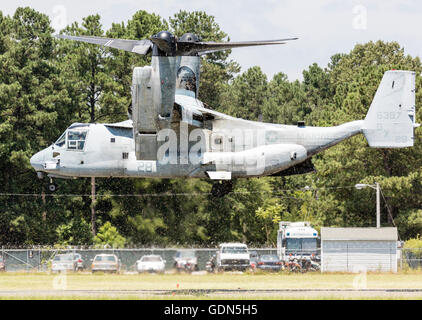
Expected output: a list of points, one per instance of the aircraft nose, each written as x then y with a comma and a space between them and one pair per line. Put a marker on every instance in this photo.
37, 160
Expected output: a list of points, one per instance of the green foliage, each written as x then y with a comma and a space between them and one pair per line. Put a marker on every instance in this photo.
244, 97
76, 232
415, 243
285, 102
47, 84
270, 214
95, 93
108, 236
414, 248
410, 223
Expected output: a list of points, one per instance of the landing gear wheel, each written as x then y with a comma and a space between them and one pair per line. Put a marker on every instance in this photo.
52, 187
222, 188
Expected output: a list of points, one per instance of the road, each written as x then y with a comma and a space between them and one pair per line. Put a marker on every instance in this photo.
219, 293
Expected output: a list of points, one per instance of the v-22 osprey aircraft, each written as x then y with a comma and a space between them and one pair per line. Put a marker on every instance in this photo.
171, 134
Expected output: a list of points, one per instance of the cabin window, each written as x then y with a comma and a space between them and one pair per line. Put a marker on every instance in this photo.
61, 141
125, 155
121, 132
76, 139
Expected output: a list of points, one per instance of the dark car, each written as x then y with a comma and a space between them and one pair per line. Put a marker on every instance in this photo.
269, 262
186, 260
211, 264
80, 264
254, 257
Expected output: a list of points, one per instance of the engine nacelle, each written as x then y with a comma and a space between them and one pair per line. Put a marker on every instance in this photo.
153, 95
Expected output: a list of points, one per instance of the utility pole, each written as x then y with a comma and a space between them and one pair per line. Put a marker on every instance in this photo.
93, 214
378, 205
375, 186
44, 213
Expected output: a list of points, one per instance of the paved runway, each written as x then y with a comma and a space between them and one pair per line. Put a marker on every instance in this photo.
216, 293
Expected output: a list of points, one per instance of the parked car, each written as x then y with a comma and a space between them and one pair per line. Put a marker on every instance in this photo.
151, 263
293, 264
186, 260
269, 262
106, 263
80, 264
253, 259
308, 264
64, 262
211, 264
2, 265
233, 256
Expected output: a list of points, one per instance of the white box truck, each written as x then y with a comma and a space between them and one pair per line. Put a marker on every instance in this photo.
297, 239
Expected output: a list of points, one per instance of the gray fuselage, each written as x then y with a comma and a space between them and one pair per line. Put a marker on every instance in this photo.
201, 143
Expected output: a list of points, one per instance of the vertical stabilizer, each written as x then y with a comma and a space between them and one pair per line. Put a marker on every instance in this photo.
390, 121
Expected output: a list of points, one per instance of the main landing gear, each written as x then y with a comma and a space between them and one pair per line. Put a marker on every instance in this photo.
222, 188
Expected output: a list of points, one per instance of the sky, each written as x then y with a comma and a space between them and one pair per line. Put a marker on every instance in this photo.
324, 27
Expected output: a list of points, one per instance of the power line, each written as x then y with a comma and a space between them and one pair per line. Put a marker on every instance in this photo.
275, 192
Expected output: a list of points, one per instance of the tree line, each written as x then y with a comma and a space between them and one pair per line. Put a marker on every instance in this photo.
46, 84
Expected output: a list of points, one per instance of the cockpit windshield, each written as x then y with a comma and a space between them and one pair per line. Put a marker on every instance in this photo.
76, 139
61, 141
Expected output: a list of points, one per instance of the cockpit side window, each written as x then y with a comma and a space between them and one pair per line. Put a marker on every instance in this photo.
76, 139
61, 141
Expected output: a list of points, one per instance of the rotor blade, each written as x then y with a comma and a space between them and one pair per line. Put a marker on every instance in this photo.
136, 46
210, 47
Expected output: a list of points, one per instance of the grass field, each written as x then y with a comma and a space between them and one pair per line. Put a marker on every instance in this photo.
54, 286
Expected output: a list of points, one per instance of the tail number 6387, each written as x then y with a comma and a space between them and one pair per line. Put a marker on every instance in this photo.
388, 115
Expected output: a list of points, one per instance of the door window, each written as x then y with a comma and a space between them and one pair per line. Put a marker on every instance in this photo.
76, 140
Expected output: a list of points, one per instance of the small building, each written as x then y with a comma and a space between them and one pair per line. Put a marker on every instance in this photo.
358, 249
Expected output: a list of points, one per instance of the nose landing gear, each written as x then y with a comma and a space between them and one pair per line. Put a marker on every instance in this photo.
52, 186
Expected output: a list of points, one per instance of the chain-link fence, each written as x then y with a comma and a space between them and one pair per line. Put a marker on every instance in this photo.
410, 258
39, 259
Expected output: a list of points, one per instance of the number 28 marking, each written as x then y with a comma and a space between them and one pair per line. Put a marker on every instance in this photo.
146, 167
